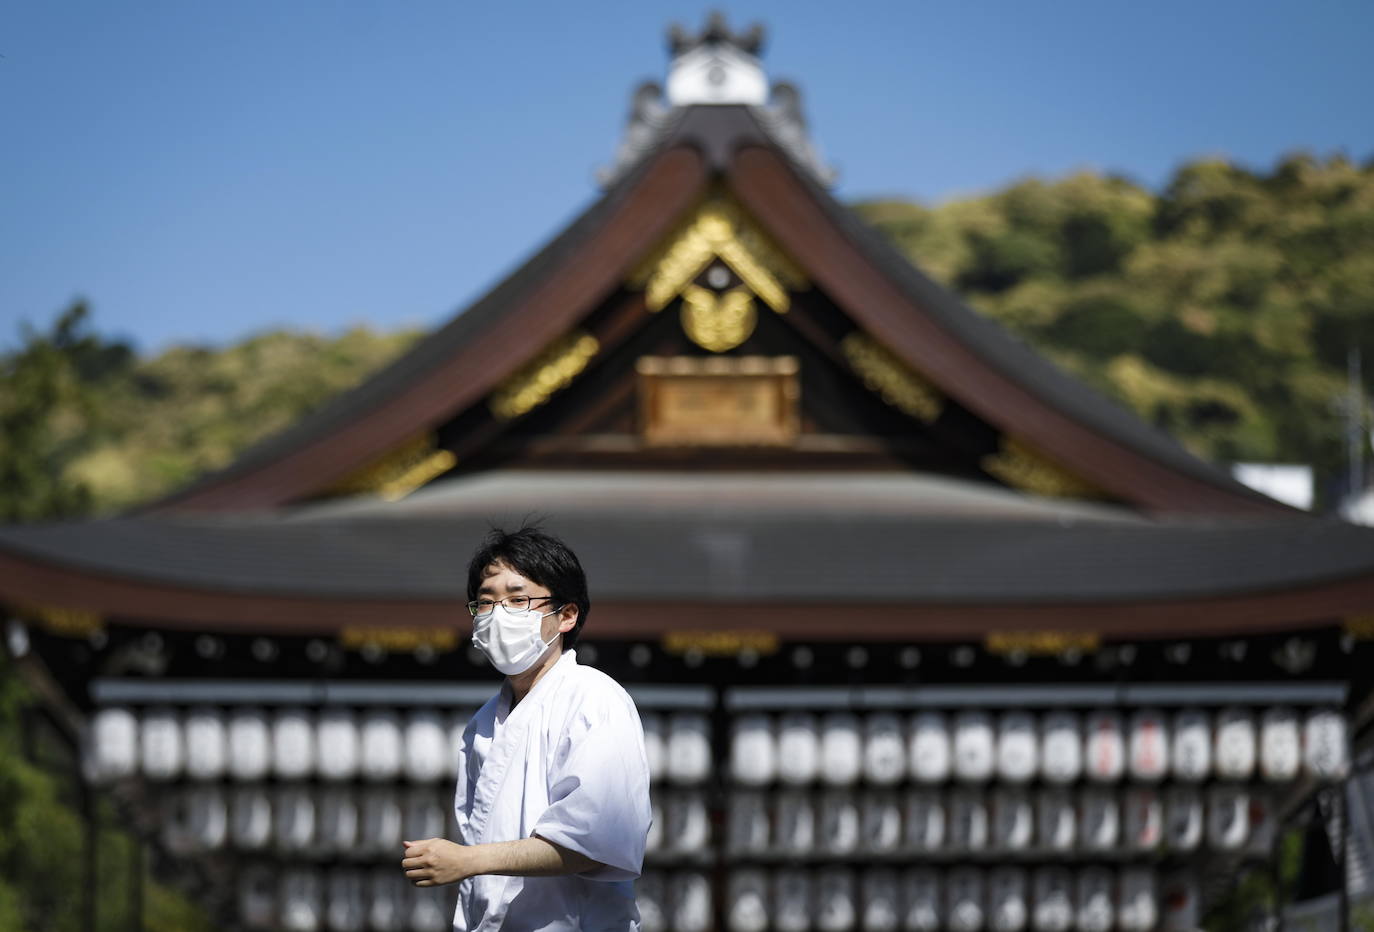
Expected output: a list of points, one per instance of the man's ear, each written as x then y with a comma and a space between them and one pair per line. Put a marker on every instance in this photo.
567, 618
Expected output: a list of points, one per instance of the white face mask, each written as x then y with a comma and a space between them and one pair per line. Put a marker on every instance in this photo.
510, 640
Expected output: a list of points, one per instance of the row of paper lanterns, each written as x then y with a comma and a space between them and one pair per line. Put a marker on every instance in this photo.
251, 744
933, 821
330, 821
921, 899
798, 748
304, 899
974, 746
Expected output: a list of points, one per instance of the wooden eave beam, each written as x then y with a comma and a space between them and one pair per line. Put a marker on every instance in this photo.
581, 281
767, 186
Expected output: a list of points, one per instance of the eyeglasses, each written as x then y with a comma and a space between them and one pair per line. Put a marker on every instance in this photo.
515, 603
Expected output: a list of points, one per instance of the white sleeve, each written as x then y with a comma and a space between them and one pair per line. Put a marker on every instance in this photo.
599, 792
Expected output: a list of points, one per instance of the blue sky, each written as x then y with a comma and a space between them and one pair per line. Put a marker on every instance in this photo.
203, 171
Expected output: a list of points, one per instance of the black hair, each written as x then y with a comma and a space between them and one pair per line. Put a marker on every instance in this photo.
541, 558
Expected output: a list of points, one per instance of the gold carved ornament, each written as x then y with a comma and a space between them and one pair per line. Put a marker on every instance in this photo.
1041, 643
1022, 467
399, 472
399, 639
718, 230
549, 372
891, 378
62, 621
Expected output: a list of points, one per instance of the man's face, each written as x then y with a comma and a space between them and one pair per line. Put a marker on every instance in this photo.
500, 581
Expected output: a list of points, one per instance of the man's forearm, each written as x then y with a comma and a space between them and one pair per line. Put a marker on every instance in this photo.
528, 857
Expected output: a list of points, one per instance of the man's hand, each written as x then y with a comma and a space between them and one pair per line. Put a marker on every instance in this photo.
436, 861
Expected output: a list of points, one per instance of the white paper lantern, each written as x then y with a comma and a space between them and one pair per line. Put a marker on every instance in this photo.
1056, 819
426, 744
301, 905
381, 746
967, 825
794, 820
923, 905
975, 750
1099, 821
1144, 817
654, 749
293, 818
881, 900
207, 743
429, 910
1013, 818
650, 896
1234, 751
686, 823
964, 900
1190, 755
114, 750
250, 818
1179, 903
336, 827
380, 824
880, 821
1183, 818
689, 898
1007, 908
753, 750
799, 749
746, 904
1280, 744
160, 737
884, 760
1228, 817
293, 744
793, 904
930, 752
1263, 824
837, 830
195, 819
836, 907
250, 744
746, 825
345, 909
1148, 754
1104, 747
337, 744
424, 816
1018, 747
1326, 751
257, 897
925, 820
387, 890
1061, 747
841, 749
1053, 894
1139, 907
1093, 905
689, 747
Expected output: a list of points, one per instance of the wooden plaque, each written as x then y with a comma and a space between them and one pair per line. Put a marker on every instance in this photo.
718, 401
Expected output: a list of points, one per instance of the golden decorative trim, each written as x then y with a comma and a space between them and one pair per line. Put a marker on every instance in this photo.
400, 472
1022, 467
65, 622
719, 401
717, 322
1042, 642
1360, 627
550, 372
721, 643
891, 378
718, 229
399, 640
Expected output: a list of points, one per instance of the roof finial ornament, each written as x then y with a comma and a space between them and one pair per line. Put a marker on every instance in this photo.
717, 32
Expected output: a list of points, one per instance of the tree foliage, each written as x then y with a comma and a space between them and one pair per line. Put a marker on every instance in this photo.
1221, 309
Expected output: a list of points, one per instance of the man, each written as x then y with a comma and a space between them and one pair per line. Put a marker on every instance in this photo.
553, 783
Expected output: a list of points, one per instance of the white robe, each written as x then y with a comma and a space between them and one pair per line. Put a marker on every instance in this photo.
566, 764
